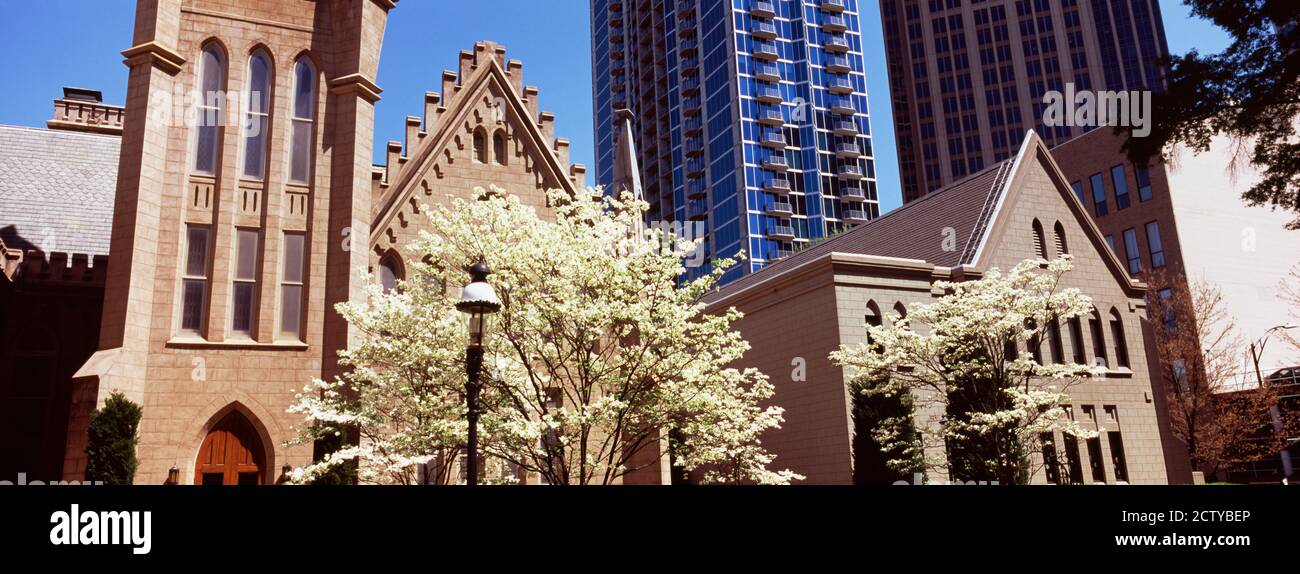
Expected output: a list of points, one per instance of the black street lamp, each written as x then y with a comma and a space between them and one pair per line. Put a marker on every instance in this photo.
478, 300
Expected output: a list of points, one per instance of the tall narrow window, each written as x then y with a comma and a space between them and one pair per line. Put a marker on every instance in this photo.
1062, 246
291, 286
480, 147
901, 310
244, 294
1095, 460
1076, 341
1154, 245
1144, 182
1131, 251
1120, 179
874, 319
499, 147
1051, 466
390, 271
1078, 191
1117, 459
1098, 195
304, 118
194, 282
1098, 340
1071, 445
1168, 314
212, 85
1040, 246
1055, 346
1117, 335
257, 109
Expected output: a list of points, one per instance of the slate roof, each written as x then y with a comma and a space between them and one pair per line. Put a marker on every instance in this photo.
56, 189
913, 231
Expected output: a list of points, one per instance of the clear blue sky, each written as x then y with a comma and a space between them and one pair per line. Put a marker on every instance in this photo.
551, 37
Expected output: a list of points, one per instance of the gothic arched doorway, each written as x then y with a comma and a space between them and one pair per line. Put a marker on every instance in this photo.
232, 453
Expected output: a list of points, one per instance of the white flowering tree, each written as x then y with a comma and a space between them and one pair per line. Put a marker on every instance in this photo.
984, 391
598, 361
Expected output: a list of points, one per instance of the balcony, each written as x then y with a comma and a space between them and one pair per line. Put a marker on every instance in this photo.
695, 168
845, 128
691, 85
686, 24
694, 146
690, 65
775, 162
855, 216
848, 150
842, 105
781, 254
761, 29
698, 210
832, 6
762, 9
689, 46
693, 126
768, 72
686, 7
771, 117
695, 189
691, 105
839, 85
765, 50
778, 185
853, 192
837, 64
773, 139
780, 232
768, 94
617, 68
849, 172
836, 44
834, 23
780, 209
616, 52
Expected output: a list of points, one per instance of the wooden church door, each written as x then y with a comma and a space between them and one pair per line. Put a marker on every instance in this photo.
231, 453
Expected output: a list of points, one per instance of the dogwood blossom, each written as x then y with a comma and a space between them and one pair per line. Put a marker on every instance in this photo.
973, 366
599, 361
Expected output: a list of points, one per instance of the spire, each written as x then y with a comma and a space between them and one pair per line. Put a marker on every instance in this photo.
626, 172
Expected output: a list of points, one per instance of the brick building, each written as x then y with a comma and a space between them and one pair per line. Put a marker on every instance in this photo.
810, 304
229, 247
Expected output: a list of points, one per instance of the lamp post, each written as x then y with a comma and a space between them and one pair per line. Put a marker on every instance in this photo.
1256, 351
477, 300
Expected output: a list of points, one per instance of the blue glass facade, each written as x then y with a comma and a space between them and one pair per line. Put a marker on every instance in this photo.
751, 117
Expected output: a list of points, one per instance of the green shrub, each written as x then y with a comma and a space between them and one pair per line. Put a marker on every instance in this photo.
110, 448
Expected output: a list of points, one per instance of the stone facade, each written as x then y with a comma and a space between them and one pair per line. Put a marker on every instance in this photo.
219, 382
799, 311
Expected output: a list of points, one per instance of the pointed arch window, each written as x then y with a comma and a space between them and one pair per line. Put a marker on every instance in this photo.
1040, 246
499, 147
1117, 336
1062, 247
212, 86
480, 147
304, 121
390, 271
1098, 340
257, 115
901, 310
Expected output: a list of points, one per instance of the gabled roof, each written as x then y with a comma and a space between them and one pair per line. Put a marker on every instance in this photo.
458, 102
970, 208
56, 189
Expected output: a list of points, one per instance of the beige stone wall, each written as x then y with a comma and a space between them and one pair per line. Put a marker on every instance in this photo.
187, 383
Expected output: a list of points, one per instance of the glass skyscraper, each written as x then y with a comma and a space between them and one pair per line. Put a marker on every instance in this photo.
750, 118
967, 79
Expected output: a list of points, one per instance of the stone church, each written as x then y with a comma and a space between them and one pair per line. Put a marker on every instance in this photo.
209, 300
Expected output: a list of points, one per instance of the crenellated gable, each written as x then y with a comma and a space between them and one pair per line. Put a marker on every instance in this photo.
482, 129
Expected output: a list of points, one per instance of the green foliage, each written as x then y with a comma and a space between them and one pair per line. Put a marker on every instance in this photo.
1249, 92
110, 448
884, 462
330, 438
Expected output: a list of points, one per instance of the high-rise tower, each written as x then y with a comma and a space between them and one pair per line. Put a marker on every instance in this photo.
967, 79
750, 117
